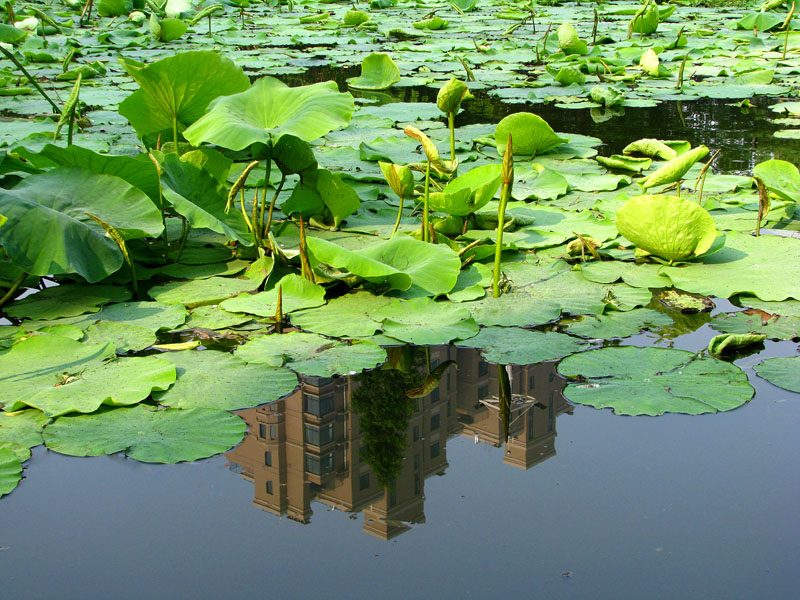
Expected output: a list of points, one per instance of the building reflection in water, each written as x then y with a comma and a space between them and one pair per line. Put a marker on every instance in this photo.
310, 446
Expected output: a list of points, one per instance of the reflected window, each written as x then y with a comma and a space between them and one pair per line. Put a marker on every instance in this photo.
417, 485
319, 436
269, 488
416, 462
435, 422
531, 382
416, 432
262, 430
319, 465
435, 450
268, 459
483, 391
551, 377
392, 498
435, 395
530, 424
318, 406
363, 481
448, 408
483, 368
273, 432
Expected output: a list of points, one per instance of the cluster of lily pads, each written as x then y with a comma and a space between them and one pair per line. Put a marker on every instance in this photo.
307, 234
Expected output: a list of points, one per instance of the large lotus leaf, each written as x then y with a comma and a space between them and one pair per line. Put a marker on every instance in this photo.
783, 372
515, 308
218, 380
650, 147
626, 163
615, 324
270, 109
512, 345
674, 169
781, 177
762, 21
787, 308
670, 227
451, 95
773, 326
147, 434
345, 316
423, 321
125, 336
652, 381
530, 134
311, 354
200, 292
644, 275
121, 382
10, 471
139, 171
378, 72
400, 262
472, 283
297, 293
23, 428
52, 232
323, 193
194, 193
746, 264
178, 87
469, 192
66, 300
152, 316
569, 41
43, 360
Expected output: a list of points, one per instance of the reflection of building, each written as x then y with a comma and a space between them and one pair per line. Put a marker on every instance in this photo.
308, 445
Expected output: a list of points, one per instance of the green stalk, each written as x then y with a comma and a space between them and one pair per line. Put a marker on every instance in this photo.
184, 235
10, 293
164, 236
399, 216
272, 205
175, 132
120, 242
30, 78
788, 25
451, 123
505, 194
425, 235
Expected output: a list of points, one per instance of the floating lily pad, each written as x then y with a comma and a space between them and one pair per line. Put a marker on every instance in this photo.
312, 354
66, 301
214, 317
43, 361
423, 321
199, 292
10, 471
773, 326
121, 382
23, 427
512, 345
745, 265
783, 372
150, 435
685, 303
218, 380
378, 72
346, 316
653, 381
298, 293
730, 342
615, 324
22, 453
125, 336
786, 308
636, 275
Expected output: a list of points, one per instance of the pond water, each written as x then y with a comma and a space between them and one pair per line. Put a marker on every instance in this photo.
579, 503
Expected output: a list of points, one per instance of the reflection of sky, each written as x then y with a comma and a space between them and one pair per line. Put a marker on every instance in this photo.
662, 507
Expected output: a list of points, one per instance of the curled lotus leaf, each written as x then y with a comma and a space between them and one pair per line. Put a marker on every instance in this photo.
569, 41
530, 133
451, 95
670, 227
378, 72
675, 169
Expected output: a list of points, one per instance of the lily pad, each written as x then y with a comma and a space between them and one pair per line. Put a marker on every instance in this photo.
615, 324
146, 434
378, 72
66, 301
10, 471
214, 317
213, 379
754, 321
298, 293
685, 303
530, 133
730, 342
512, 345
423, 321
783, 372
199, 292
346, 316
312, 354
635, 275
653, 381
22, 427
121, 382
125, 336
786, 308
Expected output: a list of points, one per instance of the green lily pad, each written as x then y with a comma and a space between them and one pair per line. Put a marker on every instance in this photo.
773, 326
635, 275
615, 324
66, 301
745, 265
146, 434
312, 354
786, 308
218, 380
10, 471
22, 453
152, 316
214, 317
22, 427
42, 361
297, 292
729, 342
685, 303
783, 372
121, 382
378, 72
512, 345
346, 316
423, 321
199, 292
530, 134
125, 336
653, 381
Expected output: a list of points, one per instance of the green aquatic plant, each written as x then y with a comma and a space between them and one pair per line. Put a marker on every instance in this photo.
674, 169
432, 156
401, 182
378, 72
507, 174
532, 135
449, 100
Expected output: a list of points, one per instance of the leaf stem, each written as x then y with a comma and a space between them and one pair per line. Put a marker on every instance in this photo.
505, 194
10, 293
10, 56
425, 235
399, 216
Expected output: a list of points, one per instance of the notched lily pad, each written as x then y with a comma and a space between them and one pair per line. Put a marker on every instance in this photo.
783, 372
756, 321
653, 381
10, 471
147, 434
66, 301
513, 345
